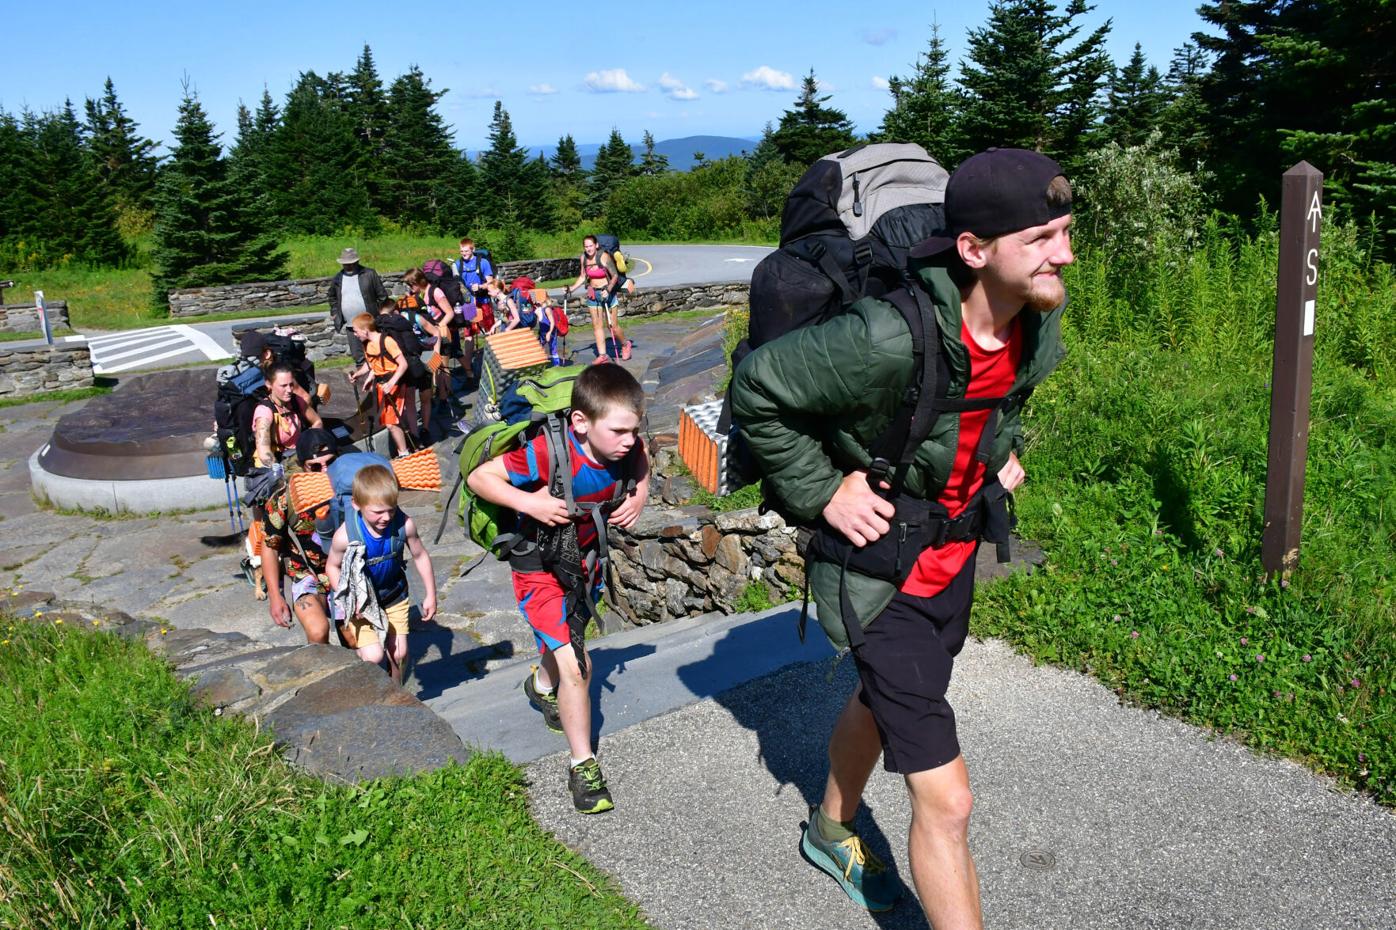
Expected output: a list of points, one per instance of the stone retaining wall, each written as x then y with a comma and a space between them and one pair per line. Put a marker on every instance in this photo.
24, 318
24, 372
321, 341
310, 292
332, 714
687, 561
647, 302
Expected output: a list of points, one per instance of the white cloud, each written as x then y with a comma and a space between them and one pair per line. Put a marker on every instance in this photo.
675, 89
542, 90
768, 78
879, 36
716, 86
880, 82
612, 81
489, 92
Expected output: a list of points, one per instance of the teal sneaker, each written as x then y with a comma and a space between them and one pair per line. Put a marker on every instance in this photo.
588, 786
861, 875
546, 704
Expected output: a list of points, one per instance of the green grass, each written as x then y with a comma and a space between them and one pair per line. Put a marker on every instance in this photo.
123, 804
57, 396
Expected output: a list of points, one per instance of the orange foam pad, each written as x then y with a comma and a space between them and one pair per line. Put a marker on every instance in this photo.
419, 471
255, 536
518, 348
699, 452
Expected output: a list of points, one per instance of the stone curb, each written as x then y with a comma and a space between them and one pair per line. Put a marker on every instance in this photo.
332, 714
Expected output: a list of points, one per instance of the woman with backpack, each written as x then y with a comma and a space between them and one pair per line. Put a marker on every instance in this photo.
599, 274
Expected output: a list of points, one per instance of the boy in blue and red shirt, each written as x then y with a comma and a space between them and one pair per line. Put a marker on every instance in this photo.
605, 454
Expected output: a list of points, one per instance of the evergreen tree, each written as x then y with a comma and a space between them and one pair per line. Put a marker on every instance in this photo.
925, 105
419, 162
368, 106
1026, 86
769, 178
1184, 116
69, 215
540, 209
313, 166
811, 130
248, 157
125, 160
457, 197
13, 186
651, 162
503, 170
569, 183
1136, 101
204, 232
615, 164
566, 164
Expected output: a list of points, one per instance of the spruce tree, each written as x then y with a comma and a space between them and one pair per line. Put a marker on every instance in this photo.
1184, 116
1136, 101
1084, 70
811, 130
420, 165
569, 180
13, 187
313, 166
769, 178
925, 106
651, 162
204, 232
566, 164
68, 214
503, 167
368, 107
125, 160
615, 164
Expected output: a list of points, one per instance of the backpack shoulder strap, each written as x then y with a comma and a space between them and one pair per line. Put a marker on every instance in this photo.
896, 448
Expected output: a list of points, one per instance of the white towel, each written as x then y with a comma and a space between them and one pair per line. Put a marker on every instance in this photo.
354, 595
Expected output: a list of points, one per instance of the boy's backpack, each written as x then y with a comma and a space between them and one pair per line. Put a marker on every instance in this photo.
611, 246
844, 234
533, 405
403, 332
341, 474
241, 389
438, 274
474, 273
398, 544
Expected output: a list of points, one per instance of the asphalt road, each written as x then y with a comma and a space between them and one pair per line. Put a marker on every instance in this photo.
172, 345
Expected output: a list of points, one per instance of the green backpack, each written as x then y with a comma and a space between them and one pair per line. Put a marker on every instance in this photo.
531, 405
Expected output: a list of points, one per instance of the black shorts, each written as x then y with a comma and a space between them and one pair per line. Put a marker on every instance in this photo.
905, 668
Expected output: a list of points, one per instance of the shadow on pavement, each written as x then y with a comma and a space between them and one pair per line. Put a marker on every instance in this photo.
606, 663
439, 657
792, 712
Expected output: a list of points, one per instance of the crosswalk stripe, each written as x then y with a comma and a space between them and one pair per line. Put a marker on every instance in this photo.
103, 357
202, 341
105, 370
144, 335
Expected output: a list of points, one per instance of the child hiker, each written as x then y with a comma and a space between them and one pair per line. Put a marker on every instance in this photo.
367, 569
604, 453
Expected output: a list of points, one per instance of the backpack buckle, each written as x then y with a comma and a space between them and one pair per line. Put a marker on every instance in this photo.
879, 471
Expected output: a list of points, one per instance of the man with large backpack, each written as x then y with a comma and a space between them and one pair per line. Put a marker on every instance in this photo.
892, 430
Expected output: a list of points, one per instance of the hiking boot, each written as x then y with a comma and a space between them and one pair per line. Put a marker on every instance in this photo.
861, 875
546, 704
588, 787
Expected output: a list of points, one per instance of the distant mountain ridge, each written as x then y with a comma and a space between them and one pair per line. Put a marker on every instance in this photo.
680, 152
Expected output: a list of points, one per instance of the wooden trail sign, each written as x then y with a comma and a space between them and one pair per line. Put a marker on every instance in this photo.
1301, 218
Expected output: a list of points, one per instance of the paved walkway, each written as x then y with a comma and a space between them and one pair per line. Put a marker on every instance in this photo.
1089, 814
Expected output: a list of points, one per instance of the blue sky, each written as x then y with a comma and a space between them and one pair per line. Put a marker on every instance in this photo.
676, 69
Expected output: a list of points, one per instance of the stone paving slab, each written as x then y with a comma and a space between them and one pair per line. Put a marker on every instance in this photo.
1150, 822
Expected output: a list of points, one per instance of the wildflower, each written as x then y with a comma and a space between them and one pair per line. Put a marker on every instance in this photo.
59, 620
1284, 582
1133, 634
1259, 657
1117, 618
1218, 553
1307, 658
4, 642
1233, 676
96, 622
163, 631
1245, 642
1356, 683
1251, 611
38, 613
1275, 694
1114, 562
1361, 757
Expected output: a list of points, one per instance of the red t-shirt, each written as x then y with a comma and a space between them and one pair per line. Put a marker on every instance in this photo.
992, 373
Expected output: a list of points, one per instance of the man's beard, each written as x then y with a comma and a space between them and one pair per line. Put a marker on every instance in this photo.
1044, 295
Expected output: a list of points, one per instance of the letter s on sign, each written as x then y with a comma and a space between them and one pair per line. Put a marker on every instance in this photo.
1311, 268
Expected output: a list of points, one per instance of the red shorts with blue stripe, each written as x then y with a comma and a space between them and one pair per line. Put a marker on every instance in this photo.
544, 606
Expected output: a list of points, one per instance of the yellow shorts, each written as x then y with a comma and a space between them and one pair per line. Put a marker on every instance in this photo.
366, 635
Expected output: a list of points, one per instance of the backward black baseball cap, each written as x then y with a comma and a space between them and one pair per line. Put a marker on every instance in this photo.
313, 443
995, 192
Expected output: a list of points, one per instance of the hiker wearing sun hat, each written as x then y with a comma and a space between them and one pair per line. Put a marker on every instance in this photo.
900, 464
354, 290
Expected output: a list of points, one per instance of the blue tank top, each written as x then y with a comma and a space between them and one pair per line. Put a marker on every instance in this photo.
387, 569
